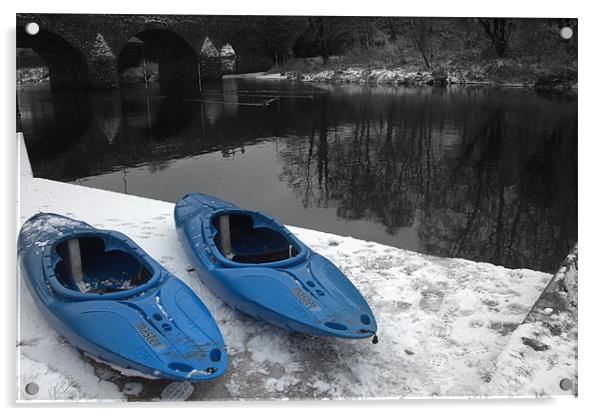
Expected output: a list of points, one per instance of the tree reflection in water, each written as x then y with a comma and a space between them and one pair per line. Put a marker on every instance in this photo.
477, 172
470, 175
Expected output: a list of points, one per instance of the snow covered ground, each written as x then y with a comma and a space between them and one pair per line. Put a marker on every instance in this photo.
442, 322
256, 75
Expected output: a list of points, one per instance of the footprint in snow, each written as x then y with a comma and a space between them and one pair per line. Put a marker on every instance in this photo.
177, 391
503, 328
491, 304
430, 303
517, 308
442, 330
475, 323
477, 350
438, 361
522, 372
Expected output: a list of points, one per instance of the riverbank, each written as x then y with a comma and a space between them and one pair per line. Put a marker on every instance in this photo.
443, 322
501, 72
496, 74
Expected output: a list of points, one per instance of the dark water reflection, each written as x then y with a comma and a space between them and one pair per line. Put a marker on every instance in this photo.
482, 173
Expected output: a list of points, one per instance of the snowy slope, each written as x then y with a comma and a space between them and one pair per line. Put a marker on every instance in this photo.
442, 322
541, 356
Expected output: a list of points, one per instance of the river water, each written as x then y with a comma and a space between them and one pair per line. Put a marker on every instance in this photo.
483, 173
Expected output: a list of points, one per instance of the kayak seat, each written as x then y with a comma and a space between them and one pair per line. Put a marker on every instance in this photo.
102, 271
255, 245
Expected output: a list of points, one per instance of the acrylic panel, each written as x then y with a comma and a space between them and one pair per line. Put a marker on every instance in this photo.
296, 207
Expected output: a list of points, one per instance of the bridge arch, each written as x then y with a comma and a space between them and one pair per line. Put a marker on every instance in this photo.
176, 58
67, 65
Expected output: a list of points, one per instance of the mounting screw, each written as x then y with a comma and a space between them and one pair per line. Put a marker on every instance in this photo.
566, 384
32, 389
32, 28
566, 33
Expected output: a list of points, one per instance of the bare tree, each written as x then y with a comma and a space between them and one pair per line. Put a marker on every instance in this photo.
391, 24
498, 31
421, 31
364, 29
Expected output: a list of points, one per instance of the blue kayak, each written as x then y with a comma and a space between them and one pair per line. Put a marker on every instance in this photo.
257, 266
111, 300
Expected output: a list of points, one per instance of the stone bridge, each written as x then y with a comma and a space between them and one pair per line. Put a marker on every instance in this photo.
87, 51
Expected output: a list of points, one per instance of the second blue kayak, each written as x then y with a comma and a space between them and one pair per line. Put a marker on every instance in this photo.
257, 266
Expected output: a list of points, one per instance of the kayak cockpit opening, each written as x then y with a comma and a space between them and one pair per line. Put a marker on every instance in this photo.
239, 239
86, 266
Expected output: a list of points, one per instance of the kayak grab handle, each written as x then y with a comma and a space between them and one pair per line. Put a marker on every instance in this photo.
366, 331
